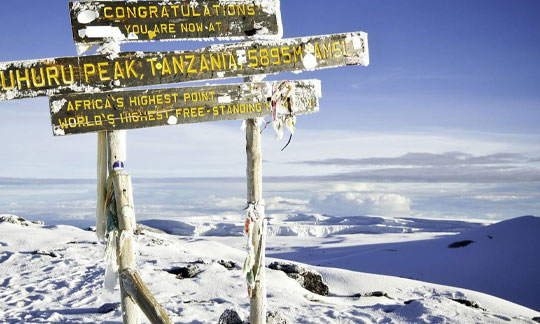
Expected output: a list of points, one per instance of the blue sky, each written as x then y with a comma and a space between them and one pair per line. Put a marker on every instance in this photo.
447, 79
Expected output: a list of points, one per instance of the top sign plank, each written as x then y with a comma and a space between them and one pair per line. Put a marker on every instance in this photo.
95, 73
94, 21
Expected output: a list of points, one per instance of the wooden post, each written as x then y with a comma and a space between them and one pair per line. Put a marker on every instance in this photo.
101, 217
254, 196
117, 149
126, 219
135, 287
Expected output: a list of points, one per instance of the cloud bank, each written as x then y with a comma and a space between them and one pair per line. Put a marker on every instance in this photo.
357, 204
451, 167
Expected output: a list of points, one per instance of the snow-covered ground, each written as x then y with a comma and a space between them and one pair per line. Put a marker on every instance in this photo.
67, 287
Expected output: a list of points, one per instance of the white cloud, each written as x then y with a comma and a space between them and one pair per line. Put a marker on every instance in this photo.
502, 197
218, 149
355, 204
353, 186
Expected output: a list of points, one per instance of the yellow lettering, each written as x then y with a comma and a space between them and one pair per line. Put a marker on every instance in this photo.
166, 69
120, 12
52, 74
118, 71
70, 106
63, 123
42, 78
185, 10
175, 8
241, 10
178, 64
72, 75
336, 48
215, 62
345, 52
153, 11
327, 50
98, 104
216, 9
130, 70
190, 68
298, 51
204, 64
232, 62
253, 59
20, 79
97, 120
265, 56
143, 12
106, 12
251, 10
152, 64
164, 12
11, 77
286, 54
110, 119
102, 71
132, 12
274, 53
318, 52
120, 102
89, 69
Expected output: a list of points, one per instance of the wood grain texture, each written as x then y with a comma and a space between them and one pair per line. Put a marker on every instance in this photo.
137, 290
91, 112
176, 20
95, 73
125, 255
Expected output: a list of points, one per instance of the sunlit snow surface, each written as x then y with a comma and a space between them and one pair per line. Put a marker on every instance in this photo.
354, 253
68, 289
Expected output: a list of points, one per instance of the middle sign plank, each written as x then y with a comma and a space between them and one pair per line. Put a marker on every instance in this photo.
94, 21
108, 111
95, 73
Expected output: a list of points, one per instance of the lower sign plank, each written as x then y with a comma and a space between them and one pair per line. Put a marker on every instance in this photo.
96, 73
108, 111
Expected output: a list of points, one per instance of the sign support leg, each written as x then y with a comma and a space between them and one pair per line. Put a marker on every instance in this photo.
101, 221
254, 189
254, 196
126, 219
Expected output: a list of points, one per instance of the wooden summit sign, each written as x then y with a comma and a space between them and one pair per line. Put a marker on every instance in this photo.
95, 73
94, 21
108, 111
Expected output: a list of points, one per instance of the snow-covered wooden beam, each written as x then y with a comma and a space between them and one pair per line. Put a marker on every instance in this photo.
95, 73
125, 242
137, 290
96, 21
108, 111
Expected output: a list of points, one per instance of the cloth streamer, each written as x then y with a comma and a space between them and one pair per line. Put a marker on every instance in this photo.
254, 219
111, 236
